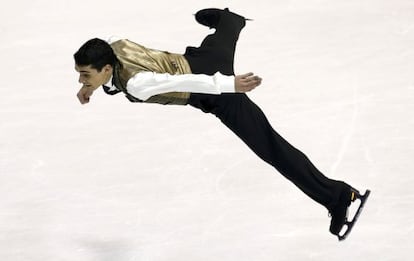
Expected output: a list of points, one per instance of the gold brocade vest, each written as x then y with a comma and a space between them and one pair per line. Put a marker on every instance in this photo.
135, 58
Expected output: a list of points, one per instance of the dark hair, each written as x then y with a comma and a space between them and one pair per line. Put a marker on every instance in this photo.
95, 52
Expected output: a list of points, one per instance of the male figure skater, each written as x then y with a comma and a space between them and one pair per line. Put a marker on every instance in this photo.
204, 78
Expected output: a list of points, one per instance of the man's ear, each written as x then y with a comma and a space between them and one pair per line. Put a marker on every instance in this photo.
107, 68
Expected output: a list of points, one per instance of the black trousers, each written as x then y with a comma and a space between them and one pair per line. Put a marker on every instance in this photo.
247, 121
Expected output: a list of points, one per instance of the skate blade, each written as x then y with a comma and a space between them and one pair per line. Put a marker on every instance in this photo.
350, 224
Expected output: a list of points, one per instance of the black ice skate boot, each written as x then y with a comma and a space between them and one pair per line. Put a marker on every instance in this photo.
210, 17
339, 213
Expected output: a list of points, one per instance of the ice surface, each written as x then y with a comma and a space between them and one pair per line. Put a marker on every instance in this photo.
115, 181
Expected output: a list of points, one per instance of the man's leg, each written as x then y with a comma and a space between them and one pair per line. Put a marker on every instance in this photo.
250, 124
246, 120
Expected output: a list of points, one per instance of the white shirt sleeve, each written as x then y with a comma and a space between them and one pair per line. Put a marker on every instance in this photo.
146, 84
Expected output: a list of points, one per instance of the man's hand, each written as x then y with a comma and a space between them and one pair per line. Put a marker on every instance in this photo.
246, 82
84, 94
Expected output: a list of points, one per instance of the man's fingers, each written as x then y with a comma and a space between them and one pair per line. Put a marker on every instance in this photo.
250, 77
246, 75
253, 81
83, 99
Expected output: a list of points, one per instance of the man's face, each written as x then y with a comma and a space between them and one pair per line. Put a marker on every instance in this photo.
91, 78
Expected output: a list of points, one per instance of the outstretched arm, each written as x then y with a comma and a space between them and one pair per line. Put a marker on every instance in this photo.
146, 84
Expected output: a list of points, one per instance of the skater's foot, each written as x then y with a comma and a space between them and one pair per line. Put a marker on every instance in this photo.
210, 17
339, 213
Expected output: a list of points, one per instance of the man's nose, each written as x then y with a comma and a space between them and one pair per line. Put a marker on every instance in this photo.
80, 80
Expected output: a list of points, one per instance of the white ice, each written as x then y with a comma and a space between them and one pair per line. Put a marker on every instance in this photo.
116, 181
